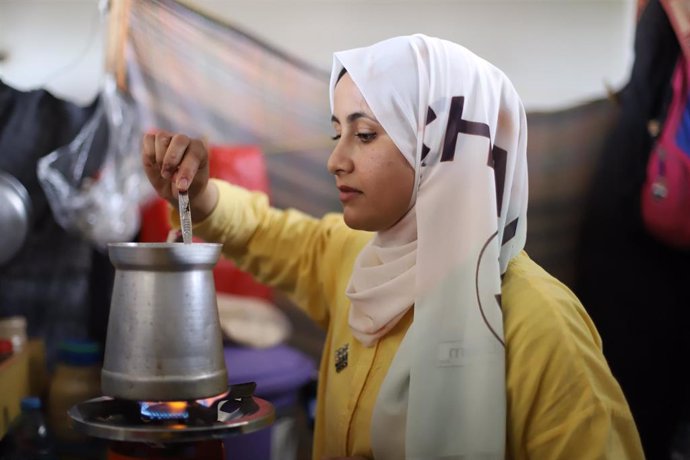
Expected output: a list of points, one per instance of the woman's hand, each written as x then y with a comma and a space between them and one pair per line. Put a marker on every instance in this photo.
176, 163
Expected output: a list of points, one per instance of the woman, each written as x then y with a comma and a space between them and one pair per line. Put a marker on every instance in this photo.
444, 340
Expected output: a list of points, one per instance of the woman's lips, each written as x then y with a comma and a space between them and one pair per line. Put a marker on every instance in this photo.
347, 193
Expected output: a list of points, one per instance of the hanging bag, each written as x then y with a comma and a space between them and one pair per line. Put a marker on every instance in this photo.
665, 197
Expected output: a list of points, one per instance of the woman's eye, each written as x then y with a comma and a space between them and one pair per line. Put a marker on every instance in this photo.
336, 137
366, 137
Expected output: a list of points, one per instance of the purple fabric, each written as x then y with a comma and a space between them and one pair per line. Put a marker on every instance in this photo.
279, 372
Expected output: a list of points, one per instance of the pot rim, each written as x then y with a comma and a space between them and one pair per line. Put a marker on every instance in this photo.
164, 256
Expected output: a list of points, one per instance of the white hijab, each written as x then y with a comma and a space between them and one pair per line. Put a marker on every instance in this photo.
458, 120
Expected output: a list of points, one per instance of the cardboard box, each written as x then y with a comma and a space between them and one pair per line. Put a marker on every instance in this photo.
21, 375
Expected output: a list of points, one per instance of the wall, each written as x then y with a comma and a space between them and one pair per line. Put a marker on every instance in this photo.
56, 44
557, 52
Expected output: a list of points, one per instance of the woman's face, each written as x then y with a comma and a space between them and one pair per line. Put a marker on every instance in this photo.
374, 179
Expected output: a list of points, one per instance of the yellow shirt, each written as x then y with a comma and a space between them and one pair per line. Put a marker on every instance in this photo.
563, 402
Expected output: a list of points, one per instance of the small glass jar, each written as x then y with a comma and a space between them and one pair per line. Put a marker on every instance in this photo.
77, 378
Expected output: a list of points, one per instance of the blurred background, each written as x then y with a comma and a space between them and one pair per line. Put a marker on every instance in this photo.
557, 53
81, 80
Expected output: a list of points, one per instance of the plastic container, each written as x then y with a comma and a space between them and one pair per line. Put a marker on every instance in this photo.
29, 437
77, 378
13, 328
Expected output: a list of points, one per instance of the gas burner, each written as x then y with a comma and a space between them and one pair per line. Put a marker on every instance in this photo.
235, 412
164, 410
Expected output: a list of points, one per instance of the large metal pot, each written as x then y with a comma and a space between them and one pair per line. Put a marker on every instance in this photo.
164, 339
15, 216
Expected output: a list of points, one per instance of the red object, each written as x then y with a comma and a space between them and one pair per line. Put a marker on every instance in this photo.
199, 450
5, 346
240, 165
665, 200
6, 349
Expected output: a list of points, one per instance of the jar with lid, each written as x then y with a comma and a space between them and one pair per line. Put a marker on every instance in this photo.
77, 378
13, 328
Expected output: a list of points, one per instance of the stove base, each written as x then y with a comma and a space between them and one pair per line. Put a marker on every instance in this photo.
196, 450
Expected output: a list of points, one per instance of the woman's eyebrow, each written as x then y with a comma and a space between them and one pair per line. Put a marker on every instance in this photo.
354, 116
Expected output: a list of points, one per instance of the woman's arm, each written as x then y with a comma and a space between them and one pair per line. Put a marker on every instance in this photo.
307, 258
563, 400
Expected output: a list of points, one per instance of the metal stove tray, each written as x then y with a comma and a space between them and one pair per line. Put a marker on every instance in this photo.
120, 420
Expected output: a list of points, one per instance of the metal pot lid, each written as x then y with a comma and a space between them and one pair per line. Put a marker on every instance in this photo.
15, 216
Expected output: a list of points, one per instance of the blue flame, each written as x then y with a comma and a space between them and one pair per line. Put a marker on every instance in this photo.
161, 411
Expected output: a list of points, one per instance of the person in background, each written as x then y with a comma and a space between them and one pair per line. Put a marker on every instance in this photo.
444, 339
641, 310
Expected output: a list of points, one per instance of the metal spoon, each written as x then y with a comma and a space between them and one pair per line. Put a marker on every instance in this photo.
185, 217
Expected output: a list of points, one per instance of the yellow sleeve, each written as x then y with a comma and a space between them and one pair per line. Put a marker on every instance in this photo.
563, 400
287, 249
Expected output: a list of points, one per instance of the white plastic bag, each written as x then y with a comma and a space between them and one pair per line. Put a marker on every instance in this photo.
95, 184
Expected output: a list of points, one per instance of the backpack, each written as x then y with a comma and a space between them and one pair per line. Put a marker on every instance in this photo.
665, 200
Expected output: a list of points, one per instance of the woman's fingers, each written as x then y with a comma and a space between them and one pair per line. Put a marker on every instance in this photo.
148, 150
161, 142
176, 149
175, 162
148, 159
193, 162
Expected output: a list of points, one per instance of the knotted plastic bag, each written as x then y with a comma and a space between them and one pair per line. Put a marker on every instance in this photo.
95, 184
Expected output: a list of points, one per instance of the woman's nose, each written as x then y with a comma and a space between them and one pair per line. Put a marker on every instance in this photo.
339, 162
